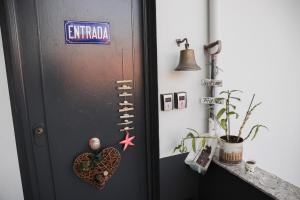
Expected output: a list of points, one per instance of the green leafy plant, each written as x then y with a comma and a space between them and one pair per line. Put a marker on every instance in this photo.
225, 114
195, 137
223, 119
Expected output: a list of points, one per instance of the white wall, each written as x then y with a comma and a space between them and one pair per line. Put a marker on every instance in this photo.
10, 181
261, 46
179, 19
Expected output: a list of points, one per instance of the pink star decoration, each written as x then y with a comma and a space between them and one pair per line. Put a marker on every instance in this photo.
127, 141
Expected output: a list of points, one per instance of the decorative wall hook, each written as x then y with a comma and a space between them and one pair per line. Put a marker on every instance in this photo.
97, 167
179, 41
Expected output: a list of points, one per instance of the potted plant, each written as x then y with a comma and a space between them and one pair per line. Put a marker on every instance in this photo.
231, 146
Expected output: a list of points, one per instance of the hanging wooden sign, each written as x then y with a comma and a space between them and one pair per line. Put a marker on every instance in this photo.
212, 100
86, 32
212, 82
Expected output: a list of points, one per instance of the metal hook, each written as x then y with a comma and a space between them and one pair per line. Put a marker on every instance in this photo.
179, 41
211, 45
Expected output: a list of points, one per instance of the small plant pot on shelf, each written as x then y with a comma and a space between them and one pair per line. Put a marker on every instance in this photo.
231, 151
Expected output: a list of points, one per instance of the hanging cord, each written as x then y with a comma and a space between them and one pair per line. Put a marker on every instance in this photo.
123, 64
123, 76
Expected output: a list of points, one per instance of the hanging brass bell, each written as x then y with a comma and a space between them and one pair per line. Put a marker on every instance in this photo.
187, 60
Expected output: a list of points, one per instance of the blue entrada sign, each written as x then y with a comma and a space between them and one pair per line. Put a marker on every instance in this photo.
86, 32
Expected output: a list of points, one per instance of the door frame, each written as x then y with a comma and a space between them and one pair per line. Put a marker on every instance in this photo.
23, 132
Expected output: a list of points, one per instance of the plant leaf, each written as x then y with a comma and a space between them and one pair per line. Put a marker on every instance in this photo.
236, 98
220, 113
255, 132
203, 143
250, 132
194, 144
177, 148
255, 106
233, 106
190, 135
193, 130
232, 91
184, 149
223, 124
257, 129
224, 92
233, 113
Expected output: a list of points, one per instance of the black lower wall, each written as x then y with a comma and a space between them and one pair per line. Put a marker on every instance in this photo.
179, 182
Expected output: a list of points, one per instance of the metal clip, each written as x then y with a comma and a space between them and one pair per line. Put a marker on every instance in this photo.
127, 129
126, 122
125, 94
125, 103
125, 87
125, 109
124, 81
126, 116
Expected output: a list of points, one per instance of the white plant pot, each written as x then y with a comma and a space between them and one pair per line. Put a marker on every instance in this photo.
231, 152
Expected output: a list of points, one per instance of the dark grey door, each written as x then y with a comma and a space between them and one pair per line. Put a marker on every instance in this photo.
71, 91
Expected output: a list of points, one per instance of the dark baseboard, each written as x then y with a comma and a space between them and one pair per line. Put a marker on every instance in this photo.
179, 182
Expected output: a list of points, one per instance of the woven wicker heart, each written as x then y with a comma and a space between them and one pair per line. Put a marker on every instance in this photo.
97, 173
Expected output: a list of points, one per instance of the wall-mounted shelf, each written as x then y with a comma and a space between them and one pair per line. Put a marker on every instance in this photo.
277, 189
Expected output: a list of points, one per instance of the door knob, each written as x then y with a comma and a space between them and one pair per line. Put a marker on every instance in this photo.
39, 131
94, 143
